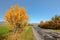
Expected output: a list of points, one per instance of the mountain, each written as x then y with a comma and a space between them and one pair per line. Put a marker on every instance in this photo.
2, 22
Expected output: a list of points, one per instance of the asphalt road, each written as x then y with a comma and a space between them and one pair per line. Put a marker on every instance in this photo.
45, 34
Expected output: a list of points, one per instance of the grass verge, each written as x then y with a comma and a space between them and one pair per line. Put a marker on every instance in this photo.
29, 34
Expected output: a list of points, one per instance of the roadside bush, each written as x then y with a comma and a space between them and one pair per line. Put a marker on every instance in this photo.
54, 23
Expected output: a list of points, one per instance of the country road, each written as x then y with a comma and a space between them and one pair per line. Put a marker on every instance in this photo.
45, 34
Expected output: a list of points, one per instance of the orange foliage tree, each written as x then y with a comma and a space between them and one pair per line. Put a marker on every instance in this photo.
54, 23
16, 17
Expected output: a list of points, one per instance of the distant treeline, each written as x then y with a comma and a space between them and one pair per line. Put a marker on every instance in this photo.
54, 23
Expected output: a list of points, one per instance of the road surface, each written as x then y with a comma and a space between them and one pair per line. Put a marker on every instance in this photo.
45, 34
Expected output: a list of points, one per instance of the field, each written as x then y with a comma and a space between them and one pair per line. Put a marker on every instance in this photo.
4, 30
28, 34
58, 30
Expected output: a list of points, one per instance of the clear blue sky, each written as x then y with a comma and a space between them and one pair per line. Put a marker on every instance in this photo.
37, 9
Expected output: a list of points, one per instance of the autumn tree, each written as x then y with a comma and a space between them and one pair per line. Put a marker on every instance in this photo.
56, 20
16, 17
54, 23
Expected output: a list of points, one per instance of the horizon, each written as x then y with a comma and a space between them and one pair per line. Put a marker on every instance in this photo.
38, 10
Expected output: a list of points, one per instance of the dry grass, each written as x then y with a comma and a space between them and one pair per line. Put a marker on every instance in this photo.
57, 30
27, 34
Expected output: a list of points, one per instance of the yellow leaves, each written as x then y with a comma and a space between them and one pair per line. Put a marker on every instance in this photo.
15, 15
